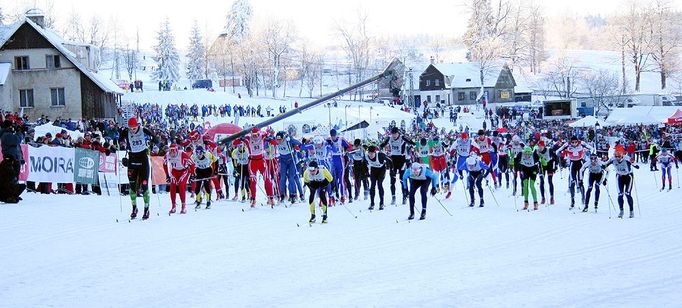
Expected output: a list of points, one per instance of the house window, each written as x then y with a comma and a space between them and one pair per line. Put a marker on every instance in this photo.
487, 95
504, 95
428, 82
21, 63
26, 98
437, 98
58, 98
472, 95
461, 96
437, 83
428, 98
53, 61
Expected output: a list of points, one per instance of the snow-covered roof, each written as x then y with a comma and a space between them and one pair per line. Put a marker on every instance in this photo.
468, 74
102, 82
4, 71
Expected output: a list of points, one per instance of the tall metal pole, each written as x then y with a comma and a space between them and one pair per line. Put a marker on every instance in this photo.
410, 100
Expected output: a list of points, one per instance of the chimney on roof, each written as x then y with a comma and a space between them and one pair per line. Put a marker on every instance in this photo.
433, 60
36, 15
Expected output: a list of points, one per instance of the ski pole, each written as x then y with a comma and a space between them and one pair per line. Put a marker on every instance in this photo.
677, 170
464, 190
636, 195
610, 201
349, 210
492, 194
441, 204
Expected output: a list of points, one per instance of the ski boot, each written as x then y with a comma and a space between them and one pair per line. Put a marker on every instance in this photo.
253, 203
350, 200
551, 200
535, 206
145, 216
572, 204
220, 195
381, 206
596, 205
585, 209
183, 209
447, 196
411, 215
236, 197
404, 200
481, 204
423, 215
371, 207
366, 195
343, 200
542, 201
208, 204
471, 204
525, 205
357, 196
392, 200
632, 214
312, 219
332, 201
172, 210
621, 214
198, 205
133, 214
324, 218
271, 202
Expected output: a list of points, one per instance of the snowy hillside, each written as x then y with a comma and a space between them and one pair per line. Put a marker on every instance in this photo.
71, 251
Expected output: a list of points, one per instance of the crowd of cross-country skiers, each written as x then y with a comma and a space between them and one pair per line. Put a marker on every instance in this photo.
521, 156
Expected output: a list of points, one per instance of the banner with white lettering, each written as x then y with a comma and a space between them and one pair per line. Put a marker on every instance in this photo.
86, 167
50, 164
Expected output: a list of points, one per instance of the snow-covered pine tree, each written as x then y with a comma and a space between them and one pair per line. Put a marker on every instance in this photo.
196, 55
167, 59
239, 20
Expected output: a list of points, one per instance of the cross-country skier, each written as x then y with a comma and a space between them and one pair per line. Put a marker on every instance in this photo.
477, 170
181, 166
594, 179
420, 176
484, 146
624, 177
548, 160
317, 178
203, 175
286, 145
665, 160
240, 158
527, 164
360, 170
398, 151
137, 163
256, 144
576, 151
337, 145
462, 147
515, 148
377, 162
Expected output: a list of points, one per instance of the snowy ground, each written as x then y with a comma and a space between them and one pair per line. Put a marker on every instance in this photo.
70, 251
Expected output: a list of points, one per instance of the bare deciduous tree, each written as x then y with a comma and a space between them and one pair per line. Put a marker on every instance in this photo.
277, 37
356, 44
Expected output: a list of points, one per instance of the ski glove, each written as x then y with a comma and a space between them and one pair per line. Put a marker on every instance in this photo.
168, 179
124, 162
604, 183
433, 191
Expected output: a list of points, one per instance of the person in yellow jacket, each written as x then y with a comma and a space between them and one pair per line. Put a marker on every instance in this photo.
204, 172
240, 158
317, 178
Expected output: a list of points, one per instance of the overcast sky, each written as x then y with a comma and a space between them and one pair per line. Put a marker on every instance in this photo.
314, 19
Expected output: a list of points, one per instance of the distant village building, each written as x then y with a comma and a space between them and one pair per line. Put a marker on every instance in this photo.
41, 74
460, 84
